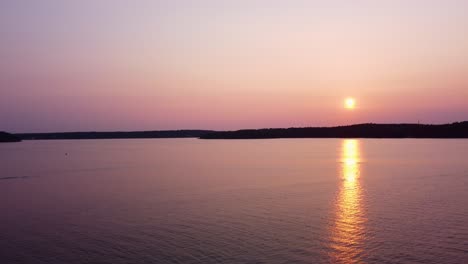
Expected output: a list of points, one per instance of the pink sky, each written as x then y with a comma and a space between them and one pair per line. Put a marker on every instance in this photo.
149, 65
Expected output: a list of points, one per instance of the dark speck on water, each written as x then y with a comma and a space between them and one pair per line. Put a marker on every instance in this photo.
12, 178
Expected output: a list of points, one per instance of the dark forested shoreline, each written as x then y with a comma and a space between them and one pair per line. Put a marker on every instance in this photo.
7, 137
454, 130
116, 135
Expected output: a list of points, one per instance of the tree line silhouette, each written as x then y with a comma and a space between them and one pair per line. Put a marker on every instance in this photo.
454, 130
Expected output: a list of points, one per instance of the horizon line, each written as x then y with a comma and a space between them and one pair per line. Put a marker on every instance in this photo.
211, 130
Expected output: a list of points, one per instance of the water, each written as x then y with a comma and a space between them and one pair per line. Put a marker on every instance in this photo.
241, 201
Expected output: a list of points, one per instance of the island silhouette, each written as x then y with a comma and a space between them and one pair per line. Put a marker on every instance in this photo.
6, 137
369, 130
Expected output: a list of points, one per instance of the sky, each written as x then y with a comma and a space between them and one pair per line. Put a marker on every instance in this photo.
107, 65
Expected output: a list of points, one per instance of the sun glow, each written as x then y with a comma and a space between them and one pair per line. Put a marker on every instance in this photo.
349, 103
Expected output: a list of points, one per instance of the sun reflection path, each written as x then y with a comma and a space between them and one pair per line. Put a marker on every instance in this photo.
348, 228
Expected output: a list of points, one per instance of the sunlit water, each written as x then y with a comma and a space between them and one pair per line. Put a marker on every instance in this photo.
239, 201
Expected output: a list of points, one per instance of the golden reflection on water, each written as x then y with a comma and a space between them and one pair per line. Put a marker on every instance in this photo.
348, 228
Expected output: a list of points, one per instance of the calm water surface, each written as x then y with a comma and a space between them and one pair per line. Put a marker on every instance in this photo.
240, 201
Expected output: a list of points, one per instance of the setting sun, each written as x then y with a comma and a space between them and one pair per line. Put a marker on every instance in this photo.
349, 103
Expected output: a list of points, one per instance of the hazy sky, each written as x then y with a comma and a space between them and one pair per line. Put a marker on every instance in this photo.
214, 64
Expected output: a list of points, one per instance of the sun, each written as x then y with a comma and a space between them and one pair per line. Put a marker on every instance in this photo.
350, 103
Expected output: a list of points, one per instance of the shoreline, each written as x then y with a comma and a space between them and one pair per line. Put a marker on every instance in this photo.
458, 130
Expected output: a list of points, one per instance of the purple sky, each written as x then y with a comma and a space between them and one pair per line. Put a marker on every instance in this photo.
213, 64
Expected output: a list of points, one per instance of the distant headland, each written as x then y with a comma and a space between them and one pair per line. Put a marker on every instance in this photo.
454, 130
6, 137
116, 135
